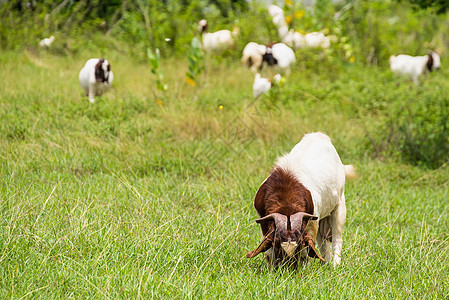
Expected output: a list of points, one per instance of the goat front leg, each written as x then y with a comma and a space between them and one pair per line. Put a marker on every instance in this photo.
312, 230
91, 93
323, 239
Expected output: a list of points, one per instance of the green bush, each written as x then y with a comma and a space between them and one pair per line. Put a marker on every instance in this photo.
421, 129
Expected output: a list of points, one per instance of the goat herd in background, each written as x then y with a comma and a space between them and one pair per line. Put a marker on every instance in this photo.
302, 201
282, 55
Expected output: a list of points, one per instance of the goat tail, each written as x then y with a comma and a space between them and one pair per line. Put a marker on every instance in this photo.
350, 172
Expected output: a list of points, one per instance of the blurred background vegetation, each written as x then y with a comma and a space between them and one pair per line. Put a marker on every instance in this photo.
367, 32
373, 30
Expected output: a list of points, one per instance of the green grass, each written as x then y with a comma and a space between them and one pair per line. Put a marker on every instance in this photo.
125, 198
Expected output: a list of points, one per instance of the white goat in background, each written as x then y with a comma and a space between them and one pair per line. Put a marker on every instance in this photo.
293, 38
277, 15
96, 77
252, 56
216, 41
414, 66
46, 43
280, 55
262, 85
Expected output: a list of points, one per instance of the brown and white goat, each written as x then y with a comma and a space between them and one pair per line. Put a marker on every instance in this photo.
96, 77
302, 201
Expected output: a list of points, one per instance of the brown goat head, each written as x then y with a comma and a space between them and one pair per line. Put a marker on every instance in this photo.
284, 204
287, 235
102, 69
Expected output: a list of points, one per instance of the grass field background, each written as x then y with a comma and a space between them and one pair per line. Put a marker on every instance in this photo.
135, 198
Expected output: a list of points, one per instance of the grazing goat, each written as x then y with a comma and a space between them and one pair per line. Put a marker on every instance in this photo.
96, 77
290, 37
275, 10
302, 201
45, 43
216, 41
277, 15
293, 38
252, 56
296, 40
280, 55
414, 66
317, 40
262, 85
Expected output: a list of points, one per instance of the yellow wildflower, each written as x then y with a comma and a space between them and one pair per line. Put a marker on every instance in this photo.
190, 81
299, 14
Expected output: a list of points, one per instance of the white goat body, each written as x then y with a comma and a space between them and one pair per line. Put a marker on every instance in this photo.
291, 38
262, 85
317, 40
284, 55
96, 77
414, 66
252, 56
296, 40
216, 41
277, 15
47, 42
275, 10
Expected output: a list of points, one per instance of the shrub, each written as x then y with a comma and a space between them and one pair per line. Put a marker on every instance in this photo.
421, 130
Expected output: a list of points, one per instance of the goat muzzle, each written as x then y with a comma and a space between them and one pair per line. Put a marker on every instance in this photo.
289, 248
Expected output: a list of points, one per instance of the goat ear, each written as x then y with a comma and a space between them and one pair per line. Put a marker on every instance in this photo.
263, 246
429, 63
310, 217
312, 252
265, 219
99, 73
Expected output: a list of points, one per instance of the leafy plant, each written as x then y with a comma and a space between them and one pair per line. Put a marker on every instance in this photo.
155, 61
196, 62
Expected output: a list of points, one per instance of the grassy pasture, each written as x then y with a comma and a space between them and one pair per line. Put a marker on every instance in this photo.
130, 198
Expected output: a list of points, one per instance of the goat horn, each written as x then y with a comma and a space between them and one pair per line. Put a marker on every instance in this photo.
280, 220
296, 219
263, 246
